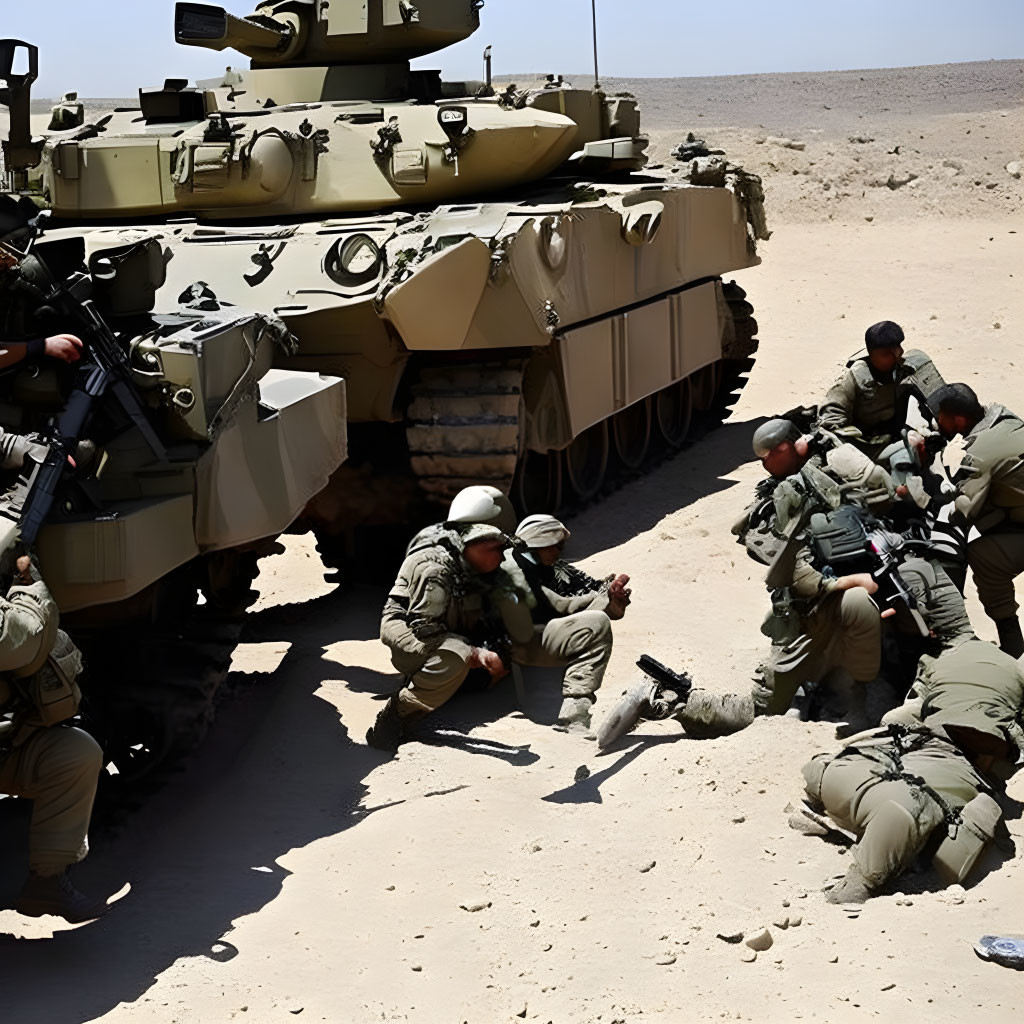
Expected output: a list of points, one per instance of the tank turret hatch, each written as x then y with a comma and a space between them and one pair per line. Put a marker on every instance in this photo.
303, 33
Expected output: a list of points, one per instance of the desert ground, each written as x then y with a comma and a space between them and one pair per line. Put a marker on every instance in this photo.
290, 872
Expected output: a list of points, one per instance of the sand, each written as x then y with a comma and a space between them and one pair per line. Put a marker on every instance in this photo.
293, 873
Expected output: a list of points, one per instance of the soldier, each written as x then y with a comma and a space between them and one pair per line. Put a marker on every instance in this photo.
819, 623
925, 782
990, 497
537, 553
439, 623
868, 403
41, 758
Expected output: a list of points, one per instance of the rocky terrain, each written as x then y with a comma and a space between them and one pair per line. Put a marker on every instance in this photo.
502, 871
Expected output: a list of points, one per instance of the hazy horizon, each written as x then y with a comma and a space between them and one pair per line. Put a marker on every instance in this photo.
642, 39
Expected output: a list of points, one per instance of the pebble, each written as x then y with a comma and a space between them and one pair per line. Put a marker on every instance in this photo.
795, 922
474, 908
667, 960
582, 773
781, 922
739, 819
889, 987
417, 967
1013, 169
748, 956
760, 940
834, 960
785, 903
733, 937
648, 867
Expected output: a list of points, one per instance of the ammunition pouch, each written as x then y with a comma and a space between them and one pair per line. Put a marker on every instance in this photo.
48, 697
839, 540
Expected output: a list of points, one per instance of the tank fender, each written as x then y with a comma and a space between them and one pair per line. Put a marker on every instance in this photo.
434, 308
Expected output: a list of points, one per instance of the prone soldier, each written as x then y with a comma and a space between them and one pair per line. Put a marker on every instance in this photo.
924, 784
41, 757
990, 497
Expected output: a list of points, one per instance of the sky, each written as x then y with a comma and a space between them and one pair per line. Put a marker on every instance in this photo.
109, 48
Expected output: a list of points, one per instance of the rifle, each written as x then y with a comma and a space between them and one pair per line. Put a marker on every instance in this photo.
890, 551
104, 370
658, 694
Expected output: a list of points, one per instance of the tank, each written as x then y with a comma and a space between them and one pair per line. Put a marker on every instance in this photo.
160, 467
510, 293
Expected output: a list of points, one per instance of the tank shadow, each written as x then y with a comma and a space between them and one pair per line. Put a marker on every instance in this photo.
694, 473
204, 851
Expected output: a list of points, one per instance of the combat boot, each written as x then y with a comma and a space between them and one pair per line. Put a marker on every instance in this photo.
386, 732
54, 894
857, 718
851, 888
574, 715
1011, 639
707, 715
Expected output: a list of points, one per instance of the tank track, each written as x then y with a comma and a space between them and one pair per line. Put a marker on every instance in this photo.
463, 426
739, 347
150, 697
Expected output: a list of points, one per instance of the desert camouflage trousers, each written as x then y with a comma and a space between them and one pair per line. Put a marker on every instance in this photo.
996, 559
886, 795
844, 631
57, 769
582, 643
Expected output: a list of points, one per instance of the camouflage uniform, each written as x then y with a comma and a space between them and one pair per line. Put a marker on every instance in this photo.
814, 628
990, 485
54, 766
925, 780
868, 408
552, 630
437, 612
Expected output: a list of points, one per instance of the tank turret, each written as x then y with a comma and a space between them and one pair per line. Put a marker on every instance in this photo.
301, 33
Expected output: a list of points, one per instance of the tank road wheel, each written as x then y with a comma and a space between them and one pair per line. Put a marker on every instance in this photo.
586, 461
674, 411
631, 434
704, 387
538, 483
740, 345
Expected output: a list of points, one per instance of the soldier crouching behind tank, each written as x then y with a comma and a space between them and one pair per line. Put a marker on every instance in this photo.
41, 758
923, 784
453, 608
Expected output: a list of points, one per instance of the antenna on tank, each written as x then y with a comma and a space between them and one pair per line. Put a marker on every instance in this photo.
593, 11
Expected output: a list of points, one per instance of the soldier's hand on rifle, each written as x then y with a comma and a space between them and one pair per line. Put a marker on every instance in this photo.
490, 660
866, 581
66, 347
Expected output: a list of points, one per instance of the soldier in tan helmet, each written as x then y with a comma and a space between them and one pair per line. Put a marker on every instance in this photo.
867, 406
41, 758
925, 782
990, 497
565, 616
